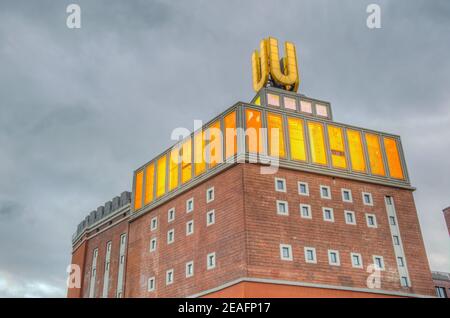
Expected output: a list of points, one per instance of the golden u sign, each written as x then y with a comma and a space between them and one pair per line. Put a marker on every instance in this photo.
267, 67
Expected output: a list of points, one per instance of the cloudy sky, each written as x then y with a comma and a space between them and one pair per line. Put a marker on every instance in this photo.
80, 109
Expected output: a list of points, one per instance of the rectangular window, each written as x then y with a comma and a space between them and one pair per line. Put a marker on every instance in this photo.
154, 223
254, 141
273, 100
210, 195
305, 211
328, 214
355, 148
371, 220
189, 269
211, 260
356, 260
210, 218
149, 183
305, 106
296, 139
286, 252
280, 185
378, 262
138, 190
215, 144
347, 195
392, 220
190, 227
375, 157
173, 167
153, 245
337, 147
275, 135
400, 261
170, 236
230, 135
393, 158
367, 198
321, 110
303, 188
151, 284
404, 281
161, 176
441, 292
190, 205
333, 258
396, 240
310, 255
282, 208
350, 217
169, 277
186, 160
317, 143
325, 192
171, 215
290, 103
199, 152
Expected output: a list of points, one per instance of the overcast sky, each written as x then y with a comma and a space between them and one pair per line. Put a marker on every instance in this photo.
81, 109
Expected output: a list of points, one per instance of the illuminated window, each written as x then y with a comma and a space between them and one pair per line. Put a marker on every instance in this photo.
356, 150
321, 110
149, 182
186, 160
290, 103
161, 176
318, 153
296, 139
257, 101
215, 144
199, 152
230, 135
337, 147
138, 190
393, 158
173, 168
273, 100
306, 106
253, 131
375, 158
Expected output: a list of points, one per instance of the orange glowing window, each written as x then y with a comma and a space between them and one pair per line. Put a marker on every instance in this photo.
337, 147
161, 176
317, 143
138, 190
275, 135
393, 158
296, 139
375, 157
356, 150
186, 159
149, 179
173, 167
199, 152
215, 144
253, 131
230, 135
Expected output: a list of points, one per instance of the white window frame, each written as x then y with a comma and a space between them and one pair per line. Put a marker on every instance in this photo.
290, 258
364, 200
213, 212
283, 181
189, 210
170, 212
313, 250
168, 236
332, 214
306, 187
396, 240
350, 195
375, 263
286, 205
353, 215
400, 261
153, 280
208, 265
392, 218
152, 249
167, 276
405, 284
187, 227
210, 190
329, 192
338, 260
360, 260
309, 211
368, 215
154, 223
187, 267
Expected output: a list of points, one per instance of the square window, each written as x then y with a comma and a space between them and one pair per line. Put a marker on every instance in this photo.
170, 236
286, 252
154, 223
190, 205
190, 227
356, 260
211, 260
273, 100
328, 214
322, 110
153, 244
306, 106
404, 281
310, 255
303, 188
378, 262
169, 277
371, 220
367, 198
396, 240
171, 215
282, 208
400, 261
347, 195
290, 103
210, 195
392, 220
333, 258
151, 284
189, 269
325, 192
210, 218
305, 211
350, 217
280, 185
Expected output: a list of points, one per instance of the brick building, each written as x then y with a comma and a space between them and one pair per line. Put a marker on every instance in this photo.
271, 198
441, 284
